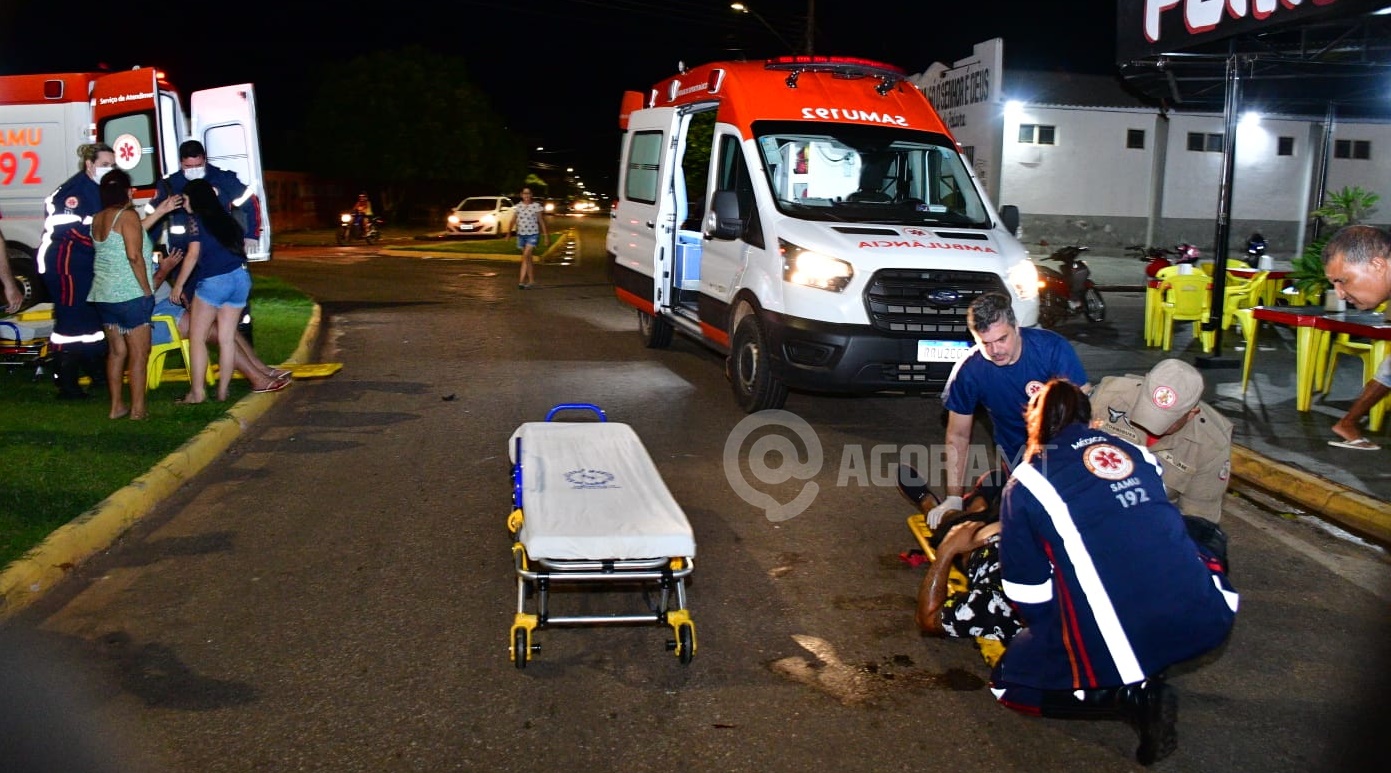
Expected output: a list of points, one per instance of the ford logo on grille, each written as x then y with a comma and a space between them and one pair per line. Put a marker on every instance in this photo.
943, 297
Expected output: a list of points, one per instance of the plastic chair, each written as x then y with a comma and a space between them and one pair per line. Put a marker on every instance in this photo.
158, 352
1186, 299
1242, 294
1343, 344
1153, 299
1246, 318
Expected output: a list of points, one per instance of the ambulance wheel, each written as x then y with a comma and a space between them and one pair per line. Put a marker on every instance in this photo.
1093, 306
520, 652
755, 387
685, 643
655, 331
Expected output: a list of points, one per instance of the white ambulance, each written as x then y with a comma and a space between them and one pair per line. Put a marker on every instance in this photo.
811, 217
43, 119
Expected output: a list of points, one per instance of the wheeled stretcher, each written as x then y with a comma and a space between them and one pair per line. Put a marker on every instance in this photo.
589, 507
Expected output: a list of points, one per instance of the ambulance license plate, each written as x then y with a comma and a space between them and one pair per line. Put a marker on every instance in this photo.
943, 351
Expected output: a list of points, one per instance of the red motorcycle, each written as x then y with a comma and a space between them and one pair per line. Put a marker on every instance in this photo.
1068, 290
1156, 258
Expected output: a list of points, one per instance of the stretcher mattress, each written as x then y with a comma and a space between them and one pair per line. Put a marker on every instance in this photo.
590, 491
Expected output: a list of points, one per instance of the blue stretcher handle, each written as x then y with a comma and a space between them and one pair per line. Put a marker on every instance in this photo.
578, 407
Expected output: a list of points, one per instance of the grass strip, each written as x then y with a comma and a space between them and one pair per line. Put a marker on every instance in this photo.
64, 457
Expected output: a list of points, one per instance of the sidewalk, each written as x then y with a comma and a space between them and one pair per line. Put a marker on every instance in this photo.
1281, 449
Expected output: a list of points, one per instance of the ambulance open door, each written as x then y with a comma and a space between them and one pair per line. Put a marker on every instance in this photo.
128, 115
648, 202
224, 120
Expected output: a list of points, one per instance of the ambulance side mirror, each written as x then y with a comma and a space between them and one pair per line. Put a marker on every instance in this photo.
1009, 216
725, 220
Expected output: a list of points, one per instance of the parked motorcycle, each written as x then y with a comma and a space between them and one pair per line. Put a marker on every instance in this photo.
1255, 249
1068, 290
1157, 258
354, 228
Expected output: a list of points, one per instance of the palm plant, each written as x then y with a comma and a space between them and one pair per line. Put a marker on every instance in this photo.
1348, 206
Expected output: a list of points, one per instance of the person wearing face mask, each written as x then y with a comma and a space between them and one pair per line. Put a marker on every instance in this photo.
232, 194
66, 263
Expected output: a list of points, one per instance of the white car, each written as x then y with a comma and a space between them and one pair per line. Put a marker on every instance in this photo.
482, 215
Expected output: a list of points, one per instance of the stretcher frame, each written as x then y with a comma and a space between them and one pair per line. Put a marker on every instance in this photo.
536, 576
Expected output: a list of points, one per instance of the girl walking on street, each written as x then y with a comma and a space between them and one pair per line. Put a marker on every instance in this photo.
529, 226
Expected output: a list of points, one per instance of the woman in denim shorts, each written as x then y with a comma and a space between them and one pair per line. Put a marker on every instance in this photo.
122, 290
215, 267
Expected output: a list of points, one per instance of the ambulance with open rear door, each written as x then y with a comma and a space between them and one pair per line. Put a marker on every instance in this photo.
811, 217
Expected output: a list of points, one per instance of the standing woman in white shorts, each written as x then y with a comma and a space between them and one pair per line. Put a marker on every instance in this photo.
529, 225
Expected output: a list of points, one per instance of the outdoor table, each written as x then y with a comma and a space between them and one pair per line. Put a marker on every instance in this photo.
1313, 328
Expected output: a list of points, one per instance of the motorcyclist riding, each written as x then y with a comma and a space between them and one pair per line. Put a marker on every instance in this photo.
362, 213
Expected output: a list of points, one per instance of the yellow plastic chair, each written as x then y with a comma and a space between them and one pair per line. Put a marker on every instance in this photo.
1246, 318
154, 374
1242, 294
1187, 298
1342, 344
1153, 298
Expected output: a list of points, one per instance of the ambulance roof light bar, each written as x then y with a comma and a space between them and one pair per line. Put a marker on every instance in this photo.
840, 67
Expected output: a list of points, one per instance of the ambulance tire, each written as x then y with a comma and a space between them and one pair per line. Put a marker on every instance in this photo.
26, 275
755, 387
655, 331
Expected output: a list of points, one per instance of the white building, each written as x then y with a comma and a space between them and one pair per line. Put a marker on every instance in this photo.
1089, 162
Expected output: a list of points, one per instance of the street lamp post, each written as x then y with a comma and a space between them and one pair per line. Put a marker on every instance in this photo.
742, 8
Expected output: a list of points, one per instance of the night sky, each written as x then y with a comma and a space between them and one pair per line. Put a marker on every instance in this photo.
554, 70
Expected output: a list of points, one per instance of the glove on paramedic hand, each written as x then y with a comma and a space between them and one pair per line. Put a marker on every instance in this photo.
950, 504
250, 245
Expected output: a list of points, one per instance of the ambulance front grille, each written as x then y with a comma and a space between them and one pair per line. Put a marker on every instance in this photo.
911, 301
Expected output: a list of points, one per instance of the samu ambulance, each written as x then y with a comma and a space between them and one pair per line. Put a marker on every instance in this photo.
44, 118
811, 217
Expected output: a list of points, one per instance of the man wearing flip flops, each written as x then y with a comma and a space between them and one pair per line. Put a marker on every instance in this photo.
1357, 261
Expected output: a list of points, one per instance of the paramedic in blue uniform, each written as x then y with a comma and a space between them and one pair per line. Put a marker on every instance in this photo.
1007, 366
1111, 589
66, 261
231, 193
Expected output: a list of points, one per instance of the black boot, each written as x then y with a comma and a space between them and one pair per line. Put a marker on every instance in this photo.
66, 374
1152, 709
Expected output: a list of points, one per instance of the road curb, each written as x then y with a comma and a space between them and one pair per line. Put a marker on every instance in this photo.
26, 579
1348, 507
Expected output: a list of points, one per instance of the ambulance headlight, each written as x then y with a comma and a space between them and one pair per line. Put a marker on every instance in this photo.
812, 269
1023, 279
345, 219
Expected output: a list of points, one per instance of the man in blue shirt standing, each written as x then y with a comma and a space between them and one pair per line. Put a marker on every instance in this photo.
1007, 367
231, 193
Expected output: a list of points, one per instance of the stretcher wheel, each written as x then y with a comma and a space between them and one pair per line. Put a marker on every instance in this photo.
520, 652
685, 643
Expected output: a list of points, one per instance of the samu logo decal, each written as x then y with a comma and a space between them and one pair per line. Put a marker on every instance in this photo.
584, 478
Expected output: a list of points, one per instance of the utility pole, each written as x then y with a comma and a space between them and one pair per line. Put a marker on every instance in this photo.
811, 27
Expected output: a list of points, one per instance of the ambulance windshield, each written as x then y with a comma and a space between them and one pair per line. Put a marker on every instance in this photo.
857, 173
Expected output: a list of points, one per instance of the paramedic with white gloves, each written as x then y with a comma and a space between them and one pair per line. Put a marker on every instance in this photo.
1006, 368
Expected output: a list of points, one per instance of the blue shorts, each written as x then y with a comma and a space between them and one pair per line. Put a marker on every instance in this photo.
523, 240
126, 315
230, 289
160, 333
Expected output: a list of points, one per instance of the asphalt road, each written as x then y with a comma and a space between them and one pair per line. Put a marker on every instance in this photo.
335, 593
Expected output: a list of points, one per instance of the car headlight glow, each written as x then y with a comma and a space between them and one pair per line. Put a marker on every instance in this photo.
1023, 279
812, 269
453, 220
489, 219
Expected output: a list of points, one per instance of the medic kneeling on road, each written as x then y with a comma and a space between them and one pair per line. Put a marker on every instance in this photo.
1110, 587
